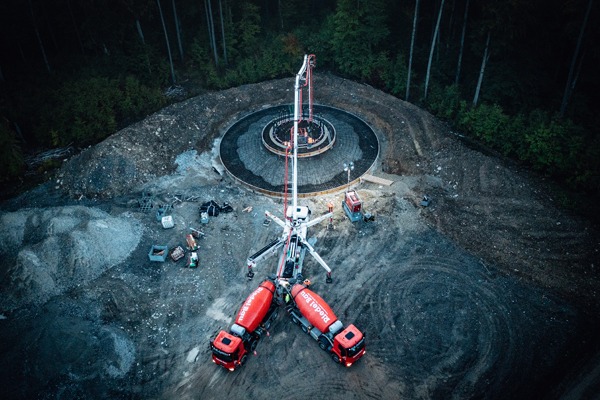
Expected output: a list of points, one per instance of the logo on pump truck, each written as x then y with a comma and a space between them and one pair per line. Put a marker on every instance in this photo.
317, 308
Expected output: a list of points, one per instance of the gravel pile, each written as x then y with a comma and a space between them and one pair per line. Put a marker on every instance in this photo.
45, 252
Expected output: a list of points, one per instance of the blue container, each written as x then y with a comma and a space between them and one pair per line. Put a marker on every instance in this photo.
158, 253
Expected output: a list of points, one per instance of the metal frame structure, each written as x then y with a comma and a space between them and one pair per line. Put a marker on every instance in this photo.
293, 241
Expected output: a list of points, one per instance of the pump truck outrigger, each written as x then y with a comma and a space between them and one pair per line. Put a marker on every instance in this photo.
315, 317
230, 349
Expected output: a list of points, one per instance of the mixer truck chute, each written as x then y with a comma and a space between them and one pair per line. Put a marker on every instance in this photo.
315, 317
230, 349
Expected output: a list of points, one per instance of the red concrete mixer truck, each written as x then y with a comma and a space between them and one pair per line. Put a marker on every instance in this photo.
311, 312
230, 349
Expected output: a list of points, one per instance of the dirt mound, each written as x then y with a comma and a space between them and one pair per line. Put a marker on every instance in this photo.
148, 149
45, 252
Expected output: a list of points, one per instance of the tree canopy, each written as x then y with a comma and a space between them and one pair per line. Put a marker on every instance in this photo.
517, 76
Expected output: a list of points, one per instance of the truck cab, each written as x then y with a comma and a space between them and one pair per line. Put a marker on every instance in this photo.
228, 351
348, 346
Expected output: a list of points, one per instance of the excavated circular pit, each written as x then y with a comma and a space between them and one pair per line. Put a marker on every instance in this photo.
253, 150
315, 135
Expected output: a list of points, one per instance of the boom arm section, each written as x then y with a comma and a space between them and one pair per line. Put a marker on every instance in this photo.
319, 219
263, 254
317, 257
277, 220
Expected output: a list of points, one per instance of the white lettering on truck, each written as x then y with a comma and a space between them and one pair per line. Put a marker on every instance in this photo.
317, 308
248, 303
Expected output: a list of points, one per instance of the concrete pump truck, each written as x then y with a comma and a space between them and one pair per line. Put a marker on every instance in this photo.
293, 243
345, 344
230, 349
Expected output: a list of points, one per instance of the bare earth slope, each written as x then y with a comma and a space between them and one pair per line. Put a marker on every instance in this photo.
490, 292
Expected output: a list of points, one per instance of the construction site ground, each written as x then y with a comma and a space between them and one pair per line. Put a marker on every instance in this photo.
491, 291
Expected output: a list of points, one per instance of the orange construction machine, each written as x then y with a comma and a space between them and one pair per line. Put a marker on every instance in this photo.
352, 205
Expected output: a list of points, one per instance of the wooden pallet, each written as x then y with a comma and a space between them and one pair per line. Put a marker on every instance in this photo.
377, 180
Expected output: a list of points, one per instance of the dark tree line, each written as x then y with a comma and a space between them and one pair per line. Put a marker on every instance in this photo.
518, 76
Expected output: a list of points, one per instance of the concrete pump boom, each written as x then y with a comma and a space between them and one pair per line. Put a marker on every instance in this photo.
293, 239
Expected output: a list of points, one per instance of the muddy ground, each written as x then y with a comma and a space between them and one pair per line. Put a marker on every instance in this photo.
489, 292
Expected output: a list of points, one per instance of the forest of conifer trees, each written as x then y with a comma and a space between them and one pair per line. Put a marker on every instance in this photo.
518, 77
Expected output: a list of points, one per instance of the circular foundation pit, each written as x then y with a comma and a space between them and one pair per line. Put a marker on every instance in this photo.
254, 148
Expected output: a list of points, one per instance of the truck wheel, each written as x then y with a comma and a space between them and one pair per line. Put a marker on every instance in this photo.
267, 325
253, 345
323, 344
243, 360
304, 328
335, 358
295, 320
274, 315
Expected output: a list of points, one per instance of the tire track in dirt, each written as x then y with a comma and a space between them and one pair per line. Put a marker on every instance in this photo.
448, 328
510, 201
429, 295
522, 236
